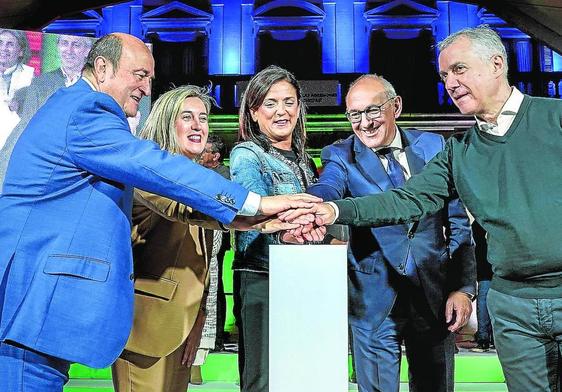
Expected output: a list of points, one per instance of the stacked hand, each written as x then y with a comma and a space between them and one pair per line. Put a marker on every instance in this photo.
308, 232
271, 205
321, 214
311, 220
301, 217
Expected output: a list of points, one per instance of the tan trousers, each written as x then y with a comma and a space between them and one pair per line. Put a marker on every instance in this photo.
134, 372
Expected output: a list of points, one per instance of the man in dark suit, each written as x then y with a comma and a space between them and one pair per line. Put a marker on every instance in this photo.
66, 271
410, 284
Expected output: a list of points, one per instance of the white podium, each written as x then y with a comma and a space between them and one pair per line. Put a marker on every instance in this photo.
308, 346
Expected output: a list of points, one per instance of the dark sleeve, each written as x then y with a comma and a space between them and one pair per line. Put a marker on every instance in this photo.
483, 267
462, 273
423, 194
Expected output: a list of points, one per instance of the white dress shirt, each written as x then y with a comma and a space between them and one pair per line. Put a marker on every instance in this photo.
506, 116
398, 152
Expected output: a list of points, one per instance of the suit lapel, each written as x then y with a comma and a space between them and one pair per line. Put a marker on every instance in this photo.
416, 162
414, 153
370, 165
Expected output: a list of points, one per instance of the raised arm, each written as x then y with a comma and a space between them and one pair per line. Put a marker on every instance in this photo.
423, 194
175, 211
100, 143
332, 184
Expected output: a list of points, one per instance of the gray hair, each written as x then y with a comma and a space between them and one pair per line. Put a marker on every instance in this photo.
23, 43
109, 47
160, 125
486, 43
83, 39
388, 87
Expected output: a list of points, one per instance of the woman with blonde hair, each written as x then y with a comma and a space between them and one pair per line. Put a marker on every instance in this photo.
171, 254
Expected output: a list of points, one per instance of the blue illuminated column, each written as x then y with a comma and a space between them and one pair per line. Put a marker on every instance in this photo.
344, 54
329, 38
124, 18
247, 39
231, 46
342, 51
225, 39
524, 55
361, 38
442, 28
453, 17
216, 39
136, 26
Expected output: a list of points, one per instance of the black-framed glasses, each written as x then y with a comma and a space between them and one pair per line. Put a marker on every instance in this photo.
372, 112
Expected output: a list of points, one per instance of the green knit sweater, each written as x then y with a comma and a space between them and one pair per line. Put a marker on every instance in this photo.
512, 185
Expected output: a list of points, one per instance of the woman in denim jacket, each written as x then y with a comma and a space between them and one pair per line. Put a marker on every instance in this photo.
270, 160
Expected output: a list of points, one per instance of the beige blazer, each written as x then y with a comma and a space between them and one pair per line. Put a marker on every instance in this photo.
171, 256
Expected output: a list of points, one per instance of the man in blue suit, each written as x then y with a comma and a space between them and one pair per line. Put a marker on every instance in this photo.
66, 273
410, 284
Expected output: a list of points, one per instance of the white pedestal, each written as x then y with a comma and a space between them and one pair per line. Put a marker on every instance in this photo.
308, 346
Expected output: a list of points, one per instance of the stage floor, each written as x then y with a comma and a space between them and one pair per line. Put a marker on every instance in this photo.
216, 386
473, 372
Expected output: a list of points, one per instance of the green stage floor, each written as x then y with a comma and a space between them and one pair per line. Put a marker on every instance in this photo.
216, 386
473, 372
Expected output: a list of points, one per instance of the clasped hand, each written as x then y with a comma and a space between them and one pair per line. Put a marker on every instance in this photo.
299, 217
312, 222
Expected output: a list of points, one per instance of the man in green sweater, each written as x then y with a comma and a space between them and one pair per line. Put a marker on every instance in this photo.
507, 170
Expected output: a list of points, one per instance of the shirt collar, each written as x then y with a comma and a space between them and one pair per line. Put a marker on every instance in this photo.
396, 143
10, 70
90, 83
69, 80
507, 114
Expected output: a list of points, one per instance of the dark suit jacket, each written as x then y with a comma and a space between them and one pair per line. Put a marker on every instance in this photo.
441, 244
65, 224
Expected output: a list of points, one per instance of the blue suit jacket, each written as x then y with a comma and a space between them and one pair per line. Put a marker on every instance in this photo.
66, 277
378, 256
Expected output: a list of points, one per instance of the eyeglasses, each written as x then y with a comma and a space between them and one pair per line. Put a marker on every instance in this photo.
372, 112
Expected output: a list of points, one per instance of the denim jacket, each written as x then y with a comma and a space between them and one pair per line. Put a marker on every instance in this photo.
266, 173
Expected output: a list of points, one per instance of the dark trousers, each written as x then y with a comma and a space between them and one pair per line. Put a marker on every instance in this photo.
528, 339
221, 298
23, 370
484, 332
251, 308
430, 350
